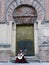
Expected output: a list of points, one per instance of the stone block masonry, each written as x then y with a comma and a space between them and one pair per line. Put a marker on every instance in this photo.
5, 55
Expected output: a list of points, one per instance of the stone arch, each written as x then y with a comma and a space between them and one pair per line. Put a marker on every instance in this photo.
36, 4
20, 13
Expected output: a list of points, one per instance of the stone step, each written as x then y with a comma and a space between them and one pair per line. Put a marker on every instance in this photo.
32, 59
28, 58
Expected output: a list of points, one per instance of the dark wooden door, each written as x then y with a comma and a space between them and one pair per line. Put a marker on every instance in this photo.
25, 39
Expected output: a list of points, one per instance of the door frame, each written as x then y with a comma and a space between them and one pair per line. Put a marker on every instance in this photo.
13, 37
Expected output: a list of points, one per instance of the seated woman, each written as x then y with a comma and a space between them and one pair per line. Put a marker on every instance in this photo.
20, 58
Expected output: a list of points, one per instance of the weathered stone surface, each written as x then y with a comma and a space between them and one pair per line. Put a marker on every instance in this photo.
44, 52
5, 55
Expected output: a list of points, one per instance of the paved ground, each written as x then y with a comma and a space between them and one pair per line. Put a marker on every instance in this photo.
24, 63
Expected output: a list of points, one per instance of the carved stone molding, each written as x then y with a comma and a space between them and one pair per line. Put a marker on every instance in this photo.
34, 3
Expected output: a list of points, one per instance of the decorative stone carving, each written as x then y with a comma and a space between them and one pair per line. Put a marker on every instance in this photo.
25, 14
36, 4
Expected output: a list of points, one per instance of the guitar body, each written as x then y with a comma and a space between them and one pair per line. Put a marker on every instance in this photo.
20, 56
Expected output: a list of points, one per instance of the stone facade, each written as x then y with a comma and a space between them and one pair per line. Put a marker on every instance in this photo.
44, 52
5, 55
8, 29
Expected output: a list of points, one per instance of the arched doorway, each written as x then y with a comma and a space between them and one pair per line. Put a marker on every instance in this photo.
9, 16
24, 17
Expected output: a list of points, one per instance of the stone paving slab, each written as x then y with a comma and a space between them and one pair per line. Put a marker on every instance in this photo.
24, 63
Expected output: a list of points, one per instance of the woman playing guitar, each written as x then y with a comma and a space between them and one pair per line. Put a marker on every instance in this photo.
20, 58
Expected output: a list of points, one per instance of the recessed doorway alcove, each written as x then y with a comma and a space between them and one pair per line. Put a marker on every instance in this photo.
25, 29
25, 20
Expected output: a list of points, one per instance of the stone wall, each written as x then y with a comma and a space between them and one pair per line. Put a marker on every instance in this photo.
6, 32
2, 10
43, 33
44, 52
3, 33
5, 55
